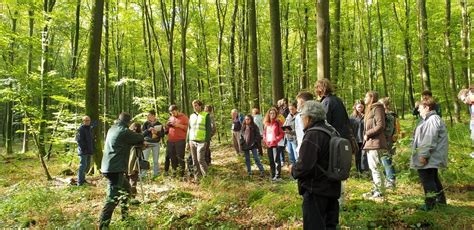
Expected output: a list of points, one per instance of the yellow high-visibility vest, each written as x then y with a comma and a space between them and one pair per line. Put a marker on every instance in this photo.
197, 127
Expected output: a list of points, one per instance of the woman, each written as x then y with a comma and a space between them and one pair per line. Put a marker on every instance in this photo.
430, 152
357, 122
272, 134
133, 167
374, 138
390, 133
250, 138
290, 134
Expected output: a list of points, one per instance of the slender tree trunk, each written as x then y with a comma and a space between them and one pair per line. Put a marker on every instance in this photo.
407, 47
169, 24
233, 78
206, 53
424, 51
75, 45
466, 43
44, 69
92, 76
106, 69
449, 54
304, 82
28, 72
382, 52
337, 41
277, 70
323, 30
9, 103
370, 52
184, 20
149, 52
254, 87
221, 13
287, 52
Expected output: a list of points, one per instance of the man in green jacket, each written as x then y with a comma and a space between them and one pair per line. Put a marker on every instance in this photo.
115, 165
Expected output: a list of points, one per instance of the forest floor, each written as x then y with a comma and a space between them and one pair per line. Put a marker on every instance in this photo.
226, 198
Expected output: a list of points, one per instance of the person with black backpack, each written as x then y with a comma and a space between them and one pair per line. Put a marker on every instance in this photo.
320, 192
249, 142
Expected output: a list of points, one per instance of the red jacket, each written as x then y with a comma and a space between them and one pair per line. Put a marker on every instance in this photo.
178, 134
272, 134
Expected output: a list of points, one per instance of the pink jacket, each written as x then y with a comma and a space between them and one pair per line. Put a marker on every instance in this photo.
272, 134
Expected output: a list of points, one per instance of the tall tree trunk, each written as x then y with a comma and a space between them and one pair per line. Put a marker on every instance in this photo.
466, 44
75, 44
304, 82
424, 51
370, 52
221, 13
44, 69
206, 53
287, 52
277, 70
184, 20
28, 71
92, 76
169, 24
337, 41
106, 70
9, 107
233, 78
449, 54
382, 54
254, 87
323, 30
407, 47
149, 52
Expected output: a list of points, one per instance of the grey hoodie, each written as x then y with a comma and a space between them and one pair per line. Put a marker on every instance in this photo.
431, 142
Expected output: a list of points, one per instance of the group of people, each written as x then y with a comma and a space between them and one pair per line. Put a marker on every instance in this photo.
372, 130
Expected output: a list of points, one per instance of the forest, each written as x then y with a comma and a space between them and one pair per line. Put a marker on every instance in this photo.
62, 60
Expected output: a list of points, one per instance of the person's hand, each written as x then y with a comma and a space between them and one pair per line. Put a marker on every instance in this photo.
423, 160
366, 138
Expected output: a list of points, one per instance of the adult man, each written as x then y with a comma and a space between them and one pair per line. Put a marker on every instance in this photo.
153, 131
237, 120
176, 128
336, 114
283, 107
320, 194
290, 135
114, 167
85, 148
301, 98
199, 133
425, 95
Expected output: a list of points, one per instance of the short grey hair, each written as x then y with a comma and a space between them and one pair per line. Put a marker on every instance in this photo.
314, 110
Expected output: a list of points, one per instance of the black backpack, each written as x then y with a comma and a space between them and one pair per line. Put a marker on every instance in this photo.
340, 155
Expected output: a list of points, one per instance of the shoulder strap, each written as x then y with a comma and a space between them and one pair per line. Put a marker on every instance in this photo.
326, 131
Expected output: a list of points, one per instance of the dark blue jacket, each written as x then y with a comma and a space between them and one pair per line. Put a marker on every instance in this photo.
336, 115
85, 141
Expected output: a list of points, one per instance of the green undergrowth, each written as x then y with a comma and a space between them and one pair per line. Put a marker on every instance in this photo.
228, 199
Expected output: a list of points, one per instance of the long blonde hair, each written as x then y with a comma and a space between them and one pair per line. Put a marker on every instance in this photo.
374, 96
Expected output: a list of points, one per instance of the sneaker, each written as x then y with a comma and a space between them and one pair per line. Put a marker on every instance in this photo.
276, 179
472, 155
373, 195
390, 185
166, 173
134, 202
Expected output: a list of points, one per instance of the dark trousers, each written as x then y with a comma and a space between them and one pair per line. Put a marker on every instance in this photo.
118, 191
175, 152
208, 153
432, 186
361, 161
274, 155
320, 212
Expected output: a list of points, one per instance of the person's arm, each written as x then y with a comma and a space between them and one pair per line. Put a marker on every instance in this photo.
184, 123
133, 138
146, 132
281, 133
379, 116
308, 155
429, 138
81, 140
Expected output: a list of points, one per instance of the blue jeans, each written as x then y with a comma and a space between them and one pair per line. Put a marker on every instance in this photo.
292, 154
389, 169
256, 158
84, 164
155, 147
